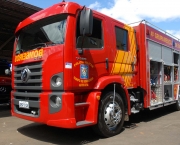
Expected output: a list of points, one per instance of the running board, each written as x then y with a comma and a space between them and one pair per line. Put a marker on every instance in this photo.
81, 123
162, 105
169, 103
155, 106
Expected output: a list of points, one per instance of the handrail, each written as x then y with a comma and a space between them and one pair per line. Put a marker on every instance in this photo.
157, 28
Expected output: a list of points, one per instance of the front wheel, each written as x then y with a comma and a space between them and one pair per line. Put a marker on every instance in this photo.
110, 115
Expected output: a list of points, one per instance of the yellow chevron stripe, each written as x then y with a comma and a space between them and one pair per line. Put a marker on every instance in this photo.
116, 68
123, 59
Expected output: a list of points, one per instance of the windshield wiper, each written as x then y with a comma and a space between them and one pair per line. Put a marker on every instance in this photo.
50, 43
20, 51
37, 45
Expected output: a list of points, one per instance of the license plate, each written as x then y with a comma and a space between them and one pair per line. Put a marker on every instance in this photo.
24, 104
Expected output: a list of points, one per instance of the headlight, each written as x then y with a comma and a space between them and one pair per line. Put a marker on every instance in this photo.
56, 81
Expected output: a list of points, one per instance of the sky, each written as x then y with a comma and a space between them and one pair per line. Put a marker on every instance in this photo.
165, 14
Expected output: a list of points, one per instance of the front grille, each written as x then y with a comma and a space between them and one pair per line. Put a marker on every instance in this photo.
29, 91
27, 111
33, 100
35, 77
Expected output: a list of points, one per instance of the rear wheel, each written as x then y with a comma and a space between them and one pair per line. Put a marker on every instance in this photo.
110, 116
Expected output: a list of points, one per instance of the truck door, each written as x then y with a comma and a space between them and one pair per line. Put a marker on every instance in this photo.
125, 58
87, 67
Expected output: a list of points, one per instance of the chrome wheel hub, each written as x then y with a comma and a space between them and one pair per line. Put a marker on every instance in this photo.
112, 115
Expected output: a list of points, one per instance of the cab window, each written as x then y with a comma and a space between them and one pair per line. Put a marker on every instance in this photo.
121, 38
93, 41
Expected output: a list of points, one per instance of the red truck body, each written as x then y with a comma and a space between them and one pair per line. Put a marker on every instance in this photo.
5, 83
54, 83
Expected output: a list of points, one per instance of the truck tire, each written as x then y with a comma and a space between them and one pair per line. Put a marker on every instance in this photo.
109, 123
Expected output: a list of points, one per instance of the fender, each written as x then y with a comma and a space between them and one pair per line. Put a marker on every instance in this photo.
106, 80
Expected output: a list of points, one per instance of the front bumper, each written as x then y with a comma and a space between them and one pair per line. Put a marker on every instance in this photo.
74, 112
45, 114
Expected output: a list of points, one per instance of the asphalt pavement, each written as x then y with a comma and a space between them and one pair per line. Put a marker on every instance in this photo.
157, 127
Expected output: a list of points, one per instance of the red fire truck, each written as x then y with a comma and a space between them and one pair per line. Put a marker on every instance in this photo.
75, 67
5, 82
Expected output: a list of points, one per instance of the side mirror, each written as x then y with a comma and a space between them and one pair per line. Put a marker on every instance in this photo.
7, 72
86, 22
86, 25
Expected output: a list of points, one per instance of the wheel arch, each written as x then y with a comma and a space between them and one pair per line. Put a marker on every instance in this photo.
106, 84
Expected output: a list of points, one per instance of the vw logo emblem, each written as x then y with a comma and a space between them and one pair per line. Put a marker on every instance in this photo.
25, 74
3, 89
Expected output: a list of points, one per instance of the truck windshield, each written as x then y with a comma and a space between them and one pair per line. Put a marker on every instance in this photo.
45, 32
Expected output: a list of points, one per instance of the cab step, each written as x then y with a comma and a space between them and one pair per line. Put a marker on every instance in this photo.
83, 104
134, 111
133, 99
84, 122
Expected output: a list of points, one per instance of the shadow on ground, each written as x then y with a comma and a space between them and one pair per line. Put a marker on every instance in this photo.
58, 135
83, 135
147, 115
5, 111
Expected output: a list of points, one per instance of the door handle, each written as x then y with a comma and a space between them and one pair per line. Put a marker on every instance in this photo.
107, 63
